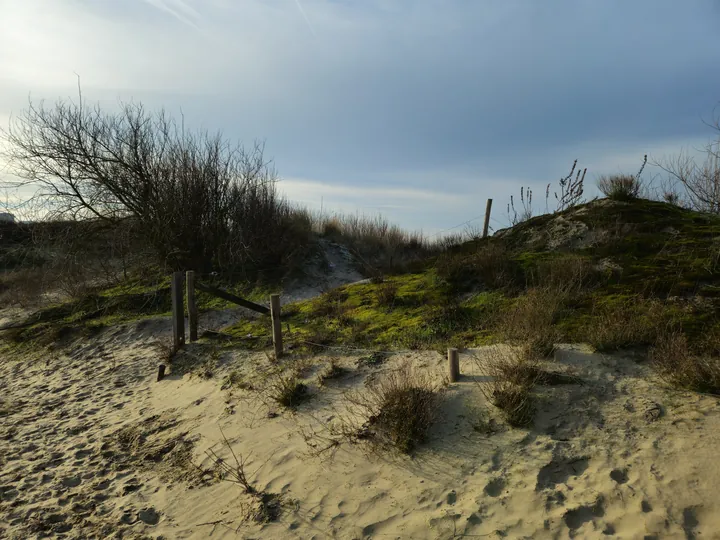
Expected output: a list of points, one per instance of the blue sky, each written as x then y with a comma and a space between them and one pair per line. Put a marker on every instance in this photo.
416, 109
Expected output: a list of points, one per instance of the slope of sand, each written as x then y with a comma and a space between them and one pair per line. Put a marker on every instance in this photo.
92, 447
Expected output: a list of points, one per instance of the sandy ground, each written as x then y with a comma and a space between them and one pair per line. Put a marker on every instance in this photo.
336, 267
91, 446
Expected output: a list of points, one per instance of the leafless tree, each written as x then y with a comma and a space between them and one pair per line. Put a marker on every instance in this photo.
198, 200
700, 181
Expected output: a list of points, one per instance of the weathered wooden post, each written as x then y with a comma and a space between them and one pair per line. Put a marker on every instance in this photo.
161, 372
178, 311
454, 364
488, 208
192, 306
276, 328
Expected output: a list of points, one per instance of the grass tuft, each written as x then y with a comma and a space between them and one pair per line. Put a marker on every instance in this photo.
511, 375
677, 366
288, 391
399, 409
621, 187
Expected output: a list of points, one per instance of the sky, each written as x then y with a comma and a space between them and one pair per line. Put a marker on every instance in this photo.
416, 109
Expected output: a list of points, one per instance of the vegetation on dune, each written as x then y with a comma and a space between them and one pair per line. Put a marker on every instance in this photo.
609, 273
617, 272
647, 264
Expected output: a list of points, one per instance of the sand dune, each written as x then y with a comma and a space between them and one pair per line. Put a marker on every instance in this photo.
92, 447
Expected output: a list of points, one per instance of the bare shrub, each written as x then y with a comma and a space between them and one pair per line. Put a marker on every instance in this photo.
676, 365
525, 207
511, 375
491, 265
267, 507
566, 273
632, 323
199, 202
22, 287
398, 409
620, 187
530, 319
700, 181
287, 390
571, 189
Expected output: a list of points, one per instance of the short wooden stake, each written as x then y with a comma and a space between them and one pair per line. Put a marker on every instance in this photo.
276, 327
192, 306
178, 311
454, 364
161, 372
488, 208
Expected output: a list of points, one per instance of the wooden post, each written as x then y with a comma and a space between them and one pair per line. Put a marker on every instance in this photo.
161, 372
488, 208
454, 364
178, 311
276, 328
192, 306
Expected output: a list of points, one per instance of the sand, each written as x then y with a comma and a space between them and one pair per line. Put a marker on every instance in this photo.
91, 446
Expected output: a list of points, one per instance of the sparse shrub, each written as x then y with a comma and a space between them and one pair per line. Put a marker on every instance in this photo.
319, 339
530, 320
491, 265
399, 409
567, 272
267, 506
512, 374
332, 371
621, 187
676, 365
286, 390
526, 210
386, 293
632, 322
232, 380
331, 304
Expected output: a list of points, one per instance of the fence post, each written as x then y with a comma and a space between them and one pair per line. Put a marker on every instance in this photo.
454, 364
178, 311
488, 208
192, 306
276, 328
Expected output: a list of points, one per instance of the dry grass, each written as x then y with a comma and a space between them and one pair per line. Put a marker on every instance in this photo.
287, 390
377, 244
511, 375
398, 409
332, 371
625, 325
529, 321
621, 187
566, 274
490, 266
676, 365
386, 293
267, 506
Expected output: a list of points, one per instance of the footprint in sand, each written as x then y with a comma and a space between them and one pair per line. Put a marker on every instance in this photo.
577, 517
559, 470
495, 487
619, 475
149, 516
690, 522
71, 481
